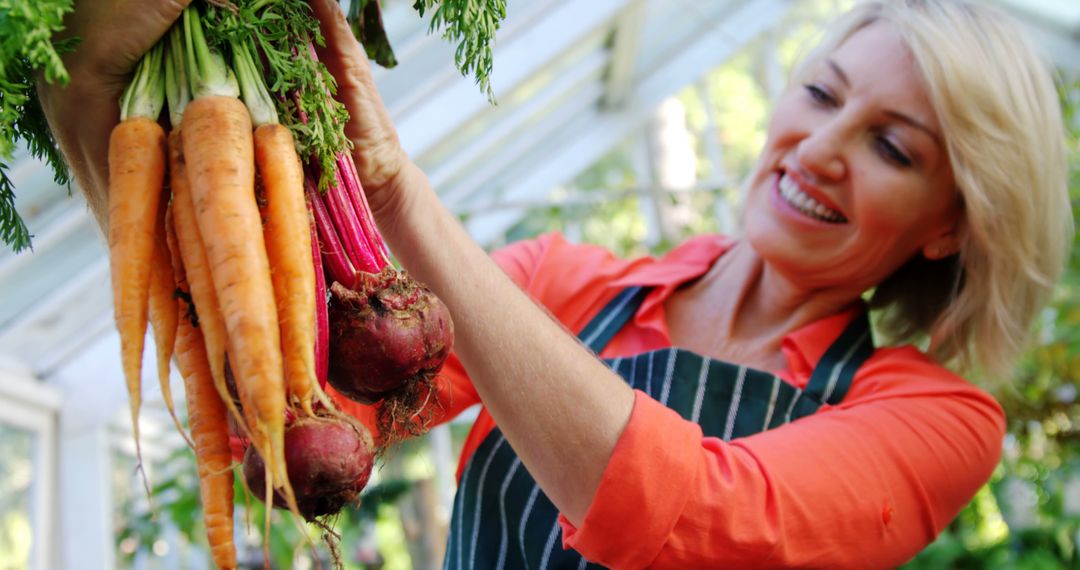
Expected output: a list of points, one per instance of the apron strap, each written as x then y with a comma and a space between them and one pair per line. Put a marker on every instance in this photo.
602, 328
829, 382
833, 374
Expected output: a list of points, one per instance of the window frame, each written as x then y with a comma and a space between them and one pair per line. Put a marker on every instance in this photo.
28, 404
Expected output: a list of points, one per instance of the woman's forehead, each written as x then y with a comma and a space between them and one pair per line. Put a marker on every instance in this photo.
877, 59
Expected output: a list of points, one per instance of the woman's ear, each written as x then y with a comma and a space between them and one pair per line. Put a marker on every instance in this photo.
947, 238
942, 246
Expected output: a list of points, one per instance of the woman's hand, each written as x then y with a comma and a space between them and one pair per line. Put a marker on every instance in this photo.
540, 384
380, 159
113, 35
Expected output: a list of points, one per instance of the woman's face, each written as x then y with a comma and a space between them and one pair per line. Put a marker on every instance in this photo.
854, 179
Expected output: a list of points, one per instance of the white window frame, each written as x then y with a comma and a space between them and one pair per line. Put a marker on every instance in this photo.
28, 404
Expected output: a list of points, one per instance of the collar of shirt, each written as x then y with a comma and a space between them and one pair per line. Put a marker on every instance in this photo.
802, 348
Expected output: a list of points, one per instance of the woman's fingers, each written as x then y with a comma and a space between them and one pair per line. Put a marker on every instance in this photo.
376, 149
112, 36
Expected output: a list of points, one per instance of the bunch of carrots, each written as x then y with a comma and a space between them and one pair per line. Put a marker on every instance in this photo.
219, 227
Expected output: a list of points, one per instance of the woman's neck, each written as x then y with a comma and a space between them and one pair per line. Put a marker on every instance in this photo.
741, 309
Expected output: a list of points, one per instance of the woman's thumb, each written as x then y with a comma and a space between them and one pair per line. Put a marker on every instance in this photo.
112, 36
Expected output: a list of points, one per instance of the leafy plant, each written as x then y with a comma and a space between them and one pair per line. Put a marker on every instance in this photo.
471, 23
27, 28
28, 47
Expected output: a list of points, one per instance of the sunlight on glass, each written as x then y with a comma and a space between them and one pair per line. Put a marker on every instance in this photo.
16, 468
992, 528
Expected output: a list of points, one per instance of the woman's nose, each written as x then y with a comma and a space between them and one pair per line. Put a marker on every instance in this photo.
822, 152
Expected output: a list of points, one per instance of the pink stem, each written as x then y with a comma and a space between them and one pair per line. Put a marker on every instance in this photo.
371, 252
349, 210
322, 318
365, 259
338, 264
299, 111
337, 204
363, 210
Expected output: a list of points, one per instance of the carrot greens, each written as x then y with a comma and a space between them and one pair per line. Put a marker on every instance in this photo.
26, 48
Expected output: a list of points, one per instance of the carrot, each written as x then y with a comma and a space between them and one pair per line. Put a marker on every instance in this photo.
190, 245
209, 430
136, 174
287, 233
206, 412
218, 148
219, 156
163, 314
218, 152
288, 245
180, 286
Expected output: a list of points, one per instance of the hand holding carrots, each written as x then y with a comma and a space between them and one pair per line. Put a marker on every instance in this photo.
255, 150
380, 159
113, 36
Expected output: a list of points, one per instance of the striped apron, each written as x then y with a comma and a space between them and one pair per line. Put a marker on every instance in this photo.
501, 518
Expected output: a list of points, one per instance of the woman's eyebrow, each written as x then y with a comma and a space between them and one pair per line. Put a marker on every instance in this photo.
904, 118
912, 122
839, 72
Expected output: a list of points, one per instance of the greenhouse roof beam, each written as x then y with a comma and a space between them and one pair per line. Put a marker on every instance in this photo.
519, 57
624, 53
490, 152
586, 139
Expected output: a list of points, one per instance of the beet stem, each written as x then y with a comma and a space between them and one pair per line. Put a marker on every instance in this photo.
349, 209
355, 191
345, 223
322, 317
338, 264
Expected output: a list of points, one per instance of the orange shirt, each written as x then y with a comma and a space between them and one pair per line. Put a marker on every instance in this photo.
864, 484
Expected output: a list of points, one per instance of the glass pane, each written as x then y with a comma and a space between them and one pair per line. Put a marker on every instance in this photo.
16, 470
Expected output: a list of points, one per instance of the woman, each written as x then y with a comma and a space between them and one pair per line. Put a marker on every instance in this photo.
918, 155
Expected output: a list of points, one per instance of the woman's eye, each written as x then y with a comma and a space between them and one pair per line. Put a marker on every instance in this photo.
891, 152
820, 95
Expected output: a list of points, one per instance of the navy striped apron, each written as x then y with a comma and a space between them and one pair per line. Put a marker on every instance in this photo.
501, 518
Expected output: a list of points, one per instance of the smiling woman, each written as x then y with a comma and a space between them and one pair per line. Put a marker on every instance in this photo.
740, 414
992, 117
752, 422
854, 180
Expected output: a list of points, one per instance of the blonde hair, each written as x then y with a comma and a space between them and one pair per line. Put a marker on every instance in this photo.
1004, 134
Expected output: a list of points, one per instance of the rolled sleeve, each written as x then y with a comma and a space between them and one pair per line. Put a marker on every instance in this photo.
654, 463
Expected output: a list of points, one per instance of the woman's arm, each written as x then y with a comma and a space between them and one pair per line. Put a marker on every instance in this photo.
866, 484
112, 37
561, 409
454, 390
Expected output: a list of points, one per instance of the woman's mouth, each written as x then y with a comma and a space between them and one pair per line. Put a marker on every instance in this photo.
796, 198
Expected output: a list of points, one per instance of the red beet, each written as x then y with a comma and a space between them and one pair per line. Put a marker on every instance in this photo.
386, 333
328, 460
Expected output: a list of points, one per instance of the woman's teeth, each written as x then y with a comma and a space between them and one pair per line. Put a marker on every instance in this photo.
799, 200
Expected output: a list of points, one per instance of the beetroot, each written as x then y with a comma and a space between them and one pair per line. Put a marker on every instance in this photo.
329, 461
386, 334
